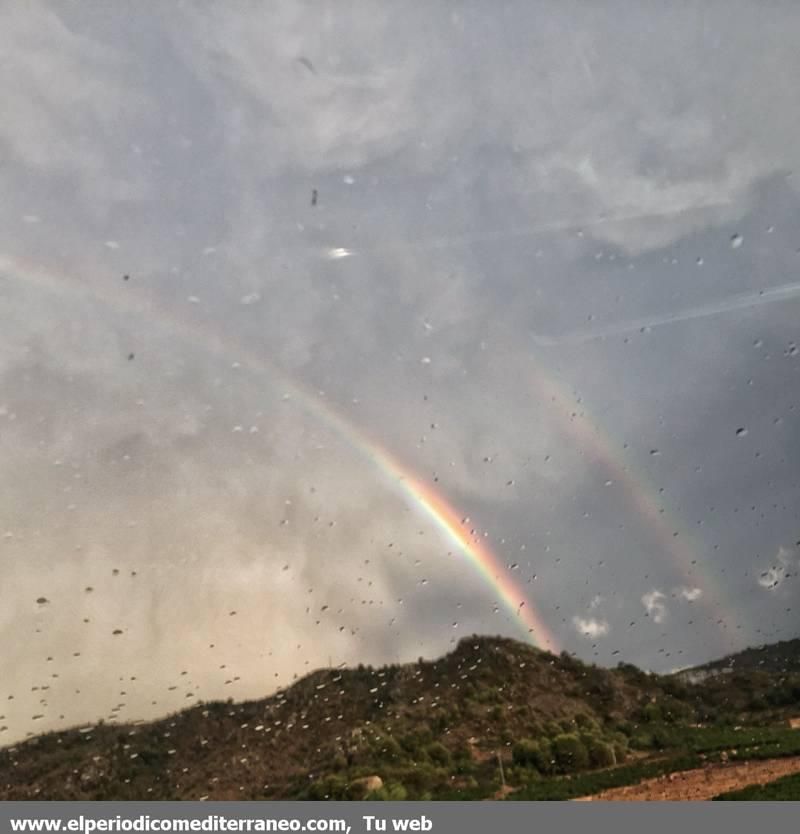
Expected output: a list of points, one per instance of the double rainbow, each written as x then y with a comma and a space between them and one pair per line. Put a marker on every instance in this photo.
428, 501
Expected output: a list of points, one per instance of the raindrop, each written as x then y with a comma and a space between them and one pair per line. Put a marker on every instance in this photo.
736, 241
742, 432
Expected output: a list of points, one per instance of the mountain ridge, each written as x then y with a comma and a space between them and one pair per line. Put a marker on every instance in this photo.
424, 729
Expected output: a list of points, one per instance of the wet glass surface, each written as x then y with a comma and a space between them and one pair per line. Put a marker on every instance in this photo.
332, 337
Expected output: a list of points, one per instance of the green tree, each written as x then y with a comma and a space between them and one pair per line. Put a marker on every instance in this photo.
601, 754
525, 753
570, 753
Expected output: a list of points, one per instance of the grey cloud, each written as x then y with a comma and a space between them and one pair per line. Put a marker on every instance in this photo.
472, 164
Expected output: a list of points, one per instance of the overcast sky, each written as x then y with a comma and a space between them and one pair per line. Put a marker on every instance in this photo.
543, 256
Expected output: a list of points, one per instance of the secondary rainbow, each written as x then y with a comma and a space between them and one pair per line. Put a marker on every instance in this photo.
674, 539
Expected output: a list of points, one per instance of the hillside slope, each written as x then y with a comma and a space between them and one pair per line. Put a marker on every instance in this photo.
781, 658
425, 729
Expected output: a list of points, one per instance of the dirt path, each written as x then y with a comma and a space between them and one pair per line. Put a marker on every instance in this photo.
703, 783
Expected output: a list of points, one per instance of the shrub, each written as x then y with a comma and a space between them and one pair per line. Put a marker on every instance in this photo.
675, 711
587, 723
601, 754
533, 754
423, 779
620, 752
619, 743
525, 753
391, 792
439, 723
153, 756
662, 739
625, 727
414, 742
438, 754
551, 729
569, 753
331, 788
389, 748
463, 753
544, 759
535, 729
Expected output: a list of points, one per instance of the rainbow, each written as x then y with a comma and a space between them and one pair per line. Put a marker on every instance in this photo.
672, 536
422, 496
575, 422
457, 529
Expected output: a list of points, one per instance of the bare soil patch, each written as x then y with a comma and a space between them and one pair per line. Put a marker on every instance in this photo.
702, 783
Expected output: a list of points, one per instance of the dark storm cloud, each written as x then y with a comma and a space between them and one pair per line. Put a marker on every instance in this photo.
401, 211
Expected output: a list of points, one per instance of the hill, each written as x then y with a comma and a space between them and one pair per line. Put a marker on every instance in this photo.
427, 729
781, 658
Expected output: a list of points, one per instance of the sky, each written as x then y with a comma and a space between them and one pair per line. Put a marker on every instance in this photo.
334, 336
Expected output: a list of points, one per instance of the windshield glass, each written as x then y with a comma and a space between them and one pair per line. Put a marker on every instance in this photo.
336, 336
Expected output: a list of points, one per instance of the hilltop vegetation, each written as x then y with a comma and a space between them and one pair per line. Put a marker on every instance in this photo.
437, 729
782, 658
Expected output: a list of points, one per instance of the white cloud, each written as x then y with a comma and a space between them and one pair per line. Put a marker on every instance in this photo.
773, 577
690, 594
654, 605
591, 627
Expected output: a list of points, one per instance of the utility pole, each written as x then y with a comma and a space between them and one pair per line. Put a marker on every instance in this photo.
502, 774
